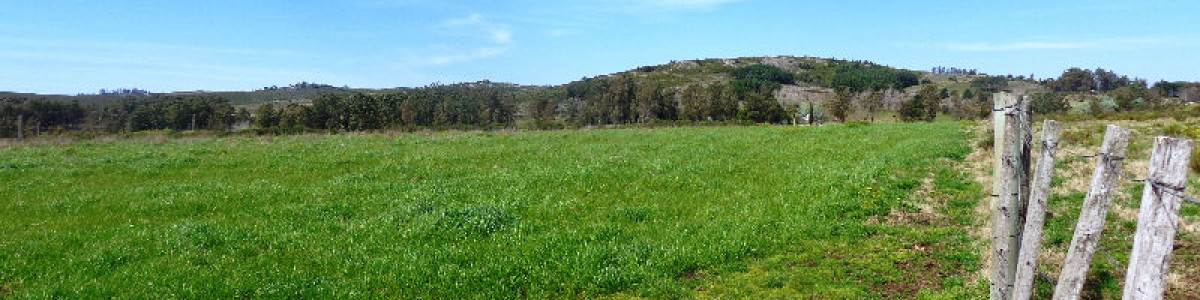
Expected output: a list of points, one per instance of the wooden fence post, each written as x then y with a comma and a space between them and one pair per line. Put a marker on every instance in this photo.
1005, 191
20, 126
1024, 163
1157, 219
1031, 238
1091, 218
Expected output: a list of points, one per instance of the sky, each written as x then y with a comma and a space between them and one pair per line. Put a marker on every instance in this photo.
69, 47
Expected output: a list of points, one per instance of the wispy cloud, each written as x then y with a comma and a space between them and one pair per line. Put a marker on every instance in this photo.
482, 37
476, 23
442, 59
1113, 44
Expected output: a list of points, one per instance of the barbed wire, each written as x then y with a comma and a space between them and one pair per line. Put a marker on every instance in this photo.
1008, 110
1108, 161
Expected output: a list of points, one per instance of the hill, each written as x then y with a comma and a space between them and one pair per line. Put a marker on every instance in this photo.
779, 89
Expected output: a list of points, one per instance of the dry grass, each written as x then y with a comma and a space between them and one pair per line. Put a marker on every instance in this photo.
1073, 177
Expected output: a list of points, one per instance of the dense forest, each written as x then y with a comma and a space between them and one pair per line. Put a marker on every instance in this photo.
719, 92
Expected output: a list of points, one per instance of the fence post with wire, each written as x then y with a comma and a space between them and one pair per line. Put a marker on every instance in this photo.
1035, 218
1019, 206
1006, 190
1157, 219
1090, 225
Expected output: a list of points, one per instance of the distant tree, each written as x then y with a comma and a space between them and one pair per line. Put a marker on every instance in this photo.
1107, 80
1074, 80
761, 109
912, 110
1126, 96
839, 107
266, 116
871, 104
294, 116
1049, 103
931, 101
720, 102
691, 107
990, 83
764, 73
542, 108
648, 99
223, 117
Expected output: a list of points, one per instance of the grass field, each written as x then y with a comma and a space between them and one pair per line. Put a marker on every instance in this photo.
665, 213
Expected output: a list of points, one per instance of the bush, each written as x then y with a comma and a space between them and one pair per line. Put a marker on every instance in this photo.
1195, 161
856, 124
988, 141
764, 73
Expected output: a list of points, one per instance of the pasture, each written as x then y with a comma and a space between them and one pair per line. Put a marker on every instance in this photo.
863, 211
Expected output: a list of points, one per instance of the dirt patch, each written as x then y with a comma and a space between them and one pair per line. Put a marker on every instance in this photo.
924, 200
925, 274
7, 288
691, 275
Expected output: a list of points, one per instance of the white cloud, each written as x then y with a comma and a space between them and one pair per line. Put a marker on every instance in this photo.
473, 19
476, 24
473, 37
453, 58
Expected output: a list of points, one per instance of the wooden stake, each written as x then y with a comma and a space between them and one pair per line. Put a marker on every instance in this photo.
1036, 215
20, 126
1158, 218
1095, 210
1024, 163
1004, 196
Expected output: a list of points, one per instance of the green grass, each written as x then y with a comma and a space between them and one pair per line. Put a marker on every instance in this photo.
653, 213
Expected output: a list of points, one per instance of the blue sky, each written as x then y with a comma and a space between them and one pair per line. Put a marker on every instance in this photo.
69, 47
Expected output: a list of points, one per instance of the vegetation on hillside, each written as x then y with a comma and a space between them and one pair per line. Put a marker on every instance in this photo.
742, 90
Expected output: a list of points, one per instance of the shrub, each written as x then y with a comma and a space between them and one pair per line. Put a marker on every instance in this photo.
856, 124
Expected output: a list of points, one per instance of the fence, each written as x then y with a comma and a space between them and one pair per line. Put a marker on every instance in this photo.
1019, 204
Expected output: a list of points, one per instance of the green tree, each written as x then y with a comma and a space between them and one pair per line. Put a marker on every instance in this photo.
931, 101
1049, 103
691, 107
266, 116
1127, 96
839, 106
1074, 80
912, 110
872, 103
990, 83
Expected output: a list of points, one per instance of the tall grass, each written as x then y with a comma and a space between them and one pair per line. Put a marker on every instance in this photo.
456, 215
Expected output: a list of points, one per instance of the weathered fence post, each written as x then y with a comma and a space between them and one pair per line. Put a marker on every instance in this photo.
1031, 238
1024, 162
1005, 194
1091, 219
1157, 219
20, 126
